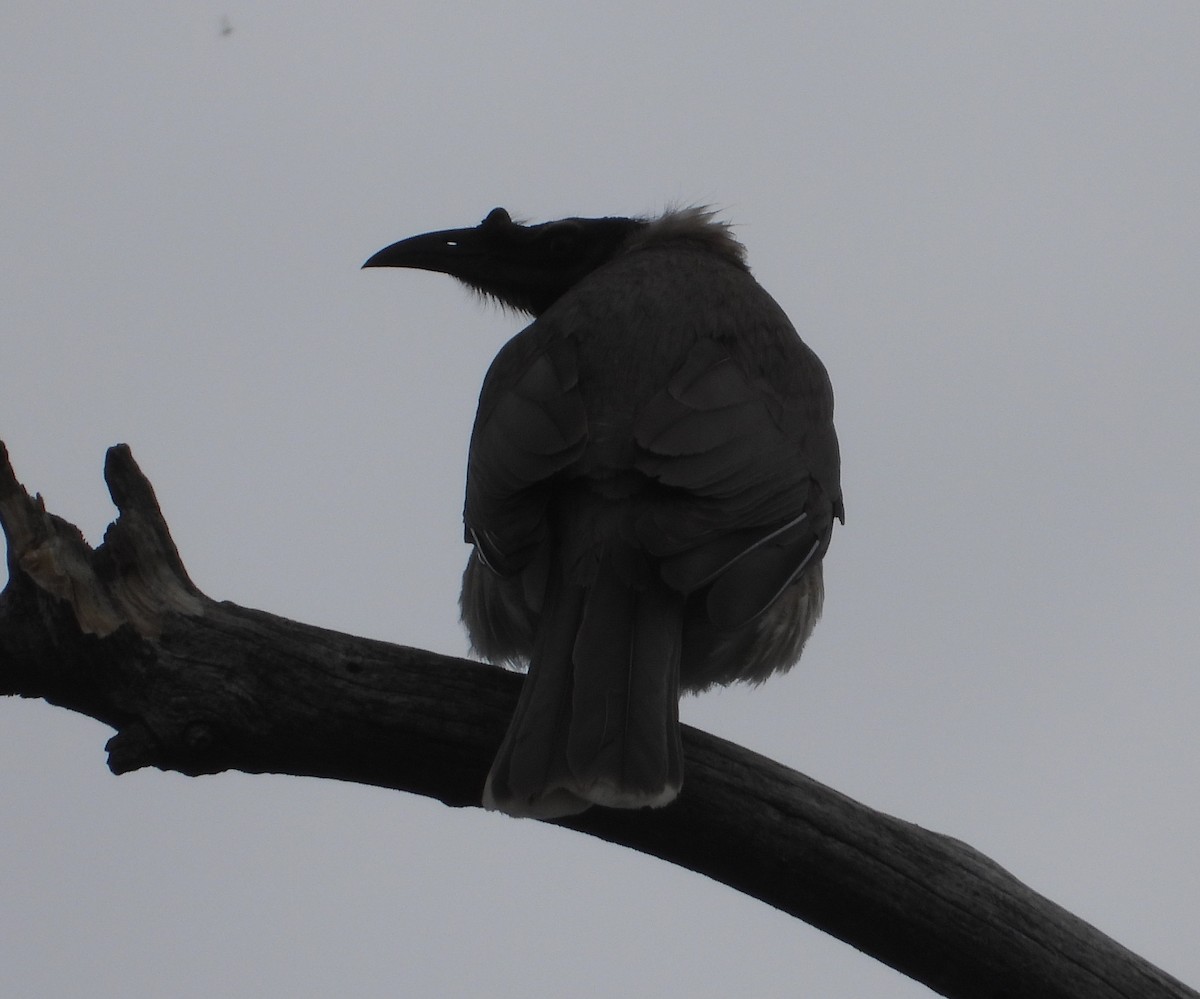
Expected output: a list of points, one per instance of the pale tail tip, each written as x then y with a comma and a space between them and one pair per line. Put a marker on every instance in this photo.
558, 802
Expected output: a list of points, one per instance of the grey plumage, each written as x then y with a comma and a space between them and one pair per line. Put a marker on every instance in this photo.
652, 484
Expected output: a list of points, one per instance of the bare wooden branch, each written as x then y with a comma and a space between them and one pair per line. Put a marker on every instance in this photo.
120, 633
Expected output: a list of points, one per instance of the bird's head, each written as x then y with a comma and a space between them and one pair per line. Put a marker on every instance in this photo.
527, 267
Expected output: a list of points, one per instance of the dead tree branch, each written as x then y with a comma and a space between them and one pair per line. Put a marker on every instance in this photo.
121, 634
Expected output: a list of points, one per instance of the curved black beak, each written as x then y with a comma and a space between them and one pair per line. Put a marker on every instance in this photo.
442, 251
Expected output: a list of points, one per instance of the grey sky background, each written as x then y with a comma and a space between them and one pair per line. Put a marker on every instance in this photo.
984, 217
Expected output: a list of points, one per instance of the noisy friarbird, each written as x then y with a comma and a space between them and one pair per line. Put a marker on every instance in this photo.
652, 485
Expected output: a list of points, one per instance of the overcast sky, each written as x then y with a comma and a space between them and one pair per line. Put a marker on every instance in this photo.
984, 217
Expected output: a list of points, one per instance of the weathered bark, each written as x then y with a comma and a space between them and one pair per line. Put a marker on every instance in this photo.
120, 633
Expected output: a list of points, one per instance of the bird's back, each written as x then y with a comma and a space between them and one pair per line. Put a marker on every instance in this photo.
698, 423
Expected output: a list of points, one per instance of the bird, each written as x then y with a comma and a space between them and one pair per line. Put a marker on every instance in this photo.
652, 482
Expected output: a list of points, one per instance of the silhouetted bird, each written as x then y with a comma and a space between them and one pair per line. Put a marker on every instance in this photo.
652, 484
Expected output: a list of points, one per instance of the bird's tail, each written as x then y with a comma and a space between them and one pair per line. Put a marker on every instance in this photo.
598, 717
